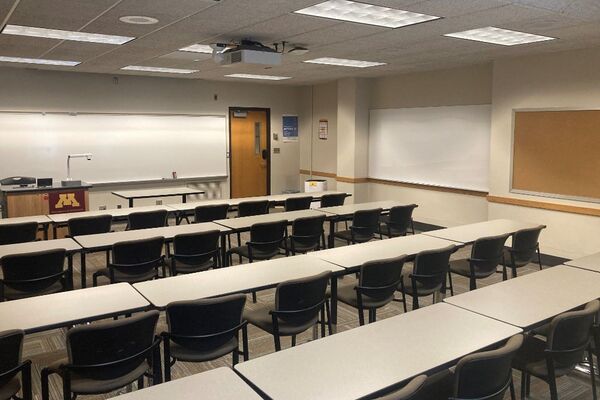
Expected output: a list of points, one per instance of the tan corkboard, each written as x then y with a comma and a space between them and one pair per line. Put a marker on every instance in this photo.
557, 152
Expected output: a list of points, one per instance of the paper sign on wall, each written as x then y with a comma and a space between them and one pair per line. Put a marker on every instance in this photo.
323, 129
290, 128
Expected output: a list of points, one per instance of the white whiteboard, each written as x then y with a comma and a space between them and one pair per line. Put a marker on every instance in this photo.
442, 146
124, 147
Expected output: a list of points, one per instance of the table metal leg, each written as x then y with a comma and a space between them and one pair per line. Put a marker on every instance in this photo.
54, 231
184, 198
130, 203
46, 227
223, 250
83, 273
334, 283
331, 239
70, 269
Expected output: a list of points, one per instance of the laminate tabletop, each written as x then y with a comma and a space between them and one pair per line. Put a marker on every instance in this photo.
364, 360
244, 223
114, 212
69, 245
349, 209
215, 384
591, 262
158, 192
39, 219
62, 309
532, 299
471, 232
236, 279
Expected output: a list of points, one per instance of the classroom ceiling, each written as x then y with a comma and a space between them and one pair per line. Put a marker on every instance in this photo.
576, 23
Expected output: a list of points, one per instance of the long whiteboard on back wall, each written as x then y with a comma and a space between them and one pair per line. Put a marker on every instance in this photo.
125, 147
440, 146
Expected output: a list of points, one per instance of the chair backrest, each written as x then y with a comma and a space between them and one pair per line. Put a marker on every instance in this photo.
569, 335
249, 208
267, 236
400, 219
18, 180
486, 375
206, 323
210, 213
33, 272
525, 244
89, 225
196, 248
147, 219
486, 253
299, 301
108, 350
137, 257
412, 390
365, 223
431, 266
18, 233
379, 279
298, 203
333, 200
11, 348
307, 231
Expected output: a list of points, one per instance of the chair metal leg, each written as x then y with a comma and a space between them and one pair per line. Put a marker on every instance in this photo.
523, 379
512, 390
372, 315
245, 343
140, 382
504, 274
26, 382
167, 358
45, 384
293, 340
323, 321
235, 357
592, 374
328, 312
539, 256
450, 283
361, 317
254, 297
277, 340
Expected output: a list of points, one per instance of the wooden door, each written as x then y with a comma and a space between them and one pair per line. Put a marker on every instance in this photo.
249, 152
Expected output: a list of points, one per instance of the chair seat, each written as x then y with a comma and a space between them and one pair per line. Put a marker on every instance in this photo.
14, 294
184, 353
261, 318
461, 267
299, 246
518, 263
346, 294
10, 388
421, 291
183, 268
531, 358
347, 236
257, 254
121, 277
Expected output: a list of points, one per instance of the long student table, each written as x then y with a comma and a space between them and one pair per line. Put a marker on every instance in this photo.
131, 195
374, 357
69, 245
116, 213
243, 278
41, 220
104, 241
63, 309
244, 223
215, 384
352, 257
591, 262
531, 300
340, 213
471, 232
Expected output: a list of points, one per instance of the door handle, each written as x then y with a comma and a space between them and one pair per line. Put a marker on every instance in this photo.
264, 154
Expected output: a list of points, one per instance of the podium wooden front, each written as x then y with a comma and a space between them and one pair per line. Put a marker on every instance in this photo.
26, 201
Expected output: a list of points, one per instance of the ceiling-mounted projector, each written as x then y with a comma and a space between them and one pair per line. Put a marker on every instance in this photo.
246, 52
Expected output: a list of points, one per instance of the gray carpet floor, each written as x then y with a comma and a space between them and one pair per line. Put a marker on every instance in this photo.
47, 347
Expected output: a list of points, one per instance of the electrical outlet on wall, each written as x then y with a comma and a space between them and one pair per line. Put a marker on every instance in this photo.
159, 202
276, 150
102, 208
119, 206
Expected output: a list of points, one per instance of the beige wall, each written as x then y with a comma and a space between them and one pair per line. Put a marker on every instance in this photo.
34, 90
560, 80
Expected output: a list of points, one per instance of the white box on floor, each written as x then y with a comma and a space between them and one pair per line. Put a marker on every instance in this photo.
315, 185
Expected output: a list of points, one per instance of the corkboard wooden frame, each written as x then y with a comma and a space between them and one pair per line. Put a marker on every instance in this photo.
547, 194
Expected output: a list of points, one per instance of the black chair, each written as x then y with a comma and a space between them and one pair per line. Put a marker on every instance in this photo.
34, 274
82, 226
210, 213
307, 235
298, 304
412, 390
428, 276
298, 203
525, 247
377, 282
567, 341
194, 252
204, 330
365, 224
398, 221
250, 208
147, 219
107, 356
11, 364
134, 261
18, 180
18, 233
265, 239
486, 254
333, 200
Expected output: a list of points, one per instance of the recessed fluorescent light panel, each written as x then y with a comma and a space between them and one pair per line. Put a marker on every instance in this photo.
158, 69
198, 48
65, 35
500, 36
363, 13
344, 62
263, 77
40, 61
